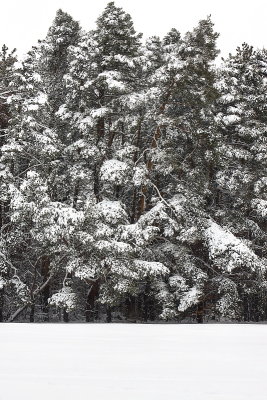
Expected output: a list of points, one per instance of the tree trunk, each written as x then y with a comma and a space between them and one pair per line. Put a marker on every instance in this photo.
131, 309
35, 293
32, 313
65, 315
146, 302
75, 195
154, 145
200, 312
91, 312
100, 127
45, 263
109, 315
133, 212
97, 183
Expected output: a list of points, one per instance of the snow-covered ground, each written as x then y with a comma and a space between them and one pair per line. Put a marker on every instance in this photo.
133, 362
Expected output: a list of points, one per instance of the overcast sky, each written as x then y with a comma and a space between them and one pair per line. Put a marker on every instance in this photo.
23, 22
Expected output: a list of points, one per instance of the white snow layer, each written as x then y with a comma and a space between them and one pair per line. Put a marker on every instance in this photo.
114, 171
130, 362
234, 252
190, 298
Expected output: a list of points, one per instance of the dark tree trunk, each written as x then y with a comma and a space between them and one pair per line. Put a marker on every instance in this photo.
65, 315
4, 214
46, 292
75, 195
109, 315
96, 183
32, 313
100, 127
200, 312
133, 212
131, 309
146, 307
91, 312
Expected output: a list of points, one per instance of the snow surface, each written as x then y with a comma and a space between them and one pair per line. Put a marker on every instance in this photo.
133, 362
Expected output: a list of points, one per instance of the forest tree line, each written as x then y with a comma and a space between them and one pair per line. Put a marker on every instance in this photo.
133, 176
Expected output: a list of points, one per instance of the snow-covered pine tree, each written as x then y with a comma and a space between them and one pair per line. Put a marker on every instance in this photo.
7, 70
13, 161
176, 159
188, 145
34, 155
7, 61
53, 58
117, 50
102, 85
53, 65
133, 177
241, 176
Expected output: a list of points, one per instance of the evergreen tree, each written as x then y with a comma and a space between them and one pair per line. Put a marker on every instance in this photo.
7, 68
132, 177
7, 60
241, 194
33, 155
180, 148
98, 103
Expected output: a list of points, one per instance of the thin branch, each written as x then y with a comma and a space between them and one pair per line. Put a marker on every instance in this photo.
24, 307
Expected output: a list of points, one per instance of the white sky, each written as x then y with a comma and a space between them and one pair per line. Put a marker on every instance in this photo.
23, 22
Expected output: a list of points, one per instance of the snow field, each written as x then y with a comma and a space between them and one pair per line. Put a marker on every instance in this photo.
133, 362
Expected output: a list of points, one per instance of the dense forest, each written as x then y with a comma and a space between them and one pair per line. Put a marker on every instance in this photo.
133, 177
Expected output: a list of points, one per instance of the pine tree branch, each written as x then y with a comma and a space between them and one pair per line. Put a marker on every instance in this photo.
24, 307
